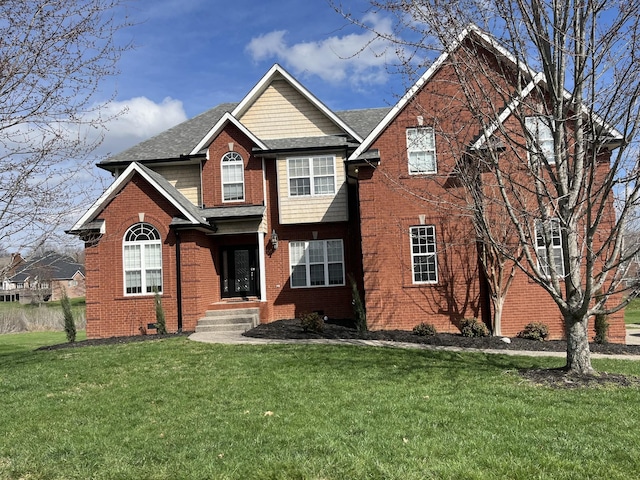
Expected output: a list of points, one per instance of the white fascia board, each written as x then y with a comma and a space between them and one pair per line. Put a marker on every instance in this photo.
507, 112
397, 108
106, 197
115, 188
217, 128
265, 81
366, 144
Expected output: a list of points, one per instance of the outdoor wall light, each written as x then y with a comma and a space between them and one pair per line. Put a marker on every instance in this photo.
274, 239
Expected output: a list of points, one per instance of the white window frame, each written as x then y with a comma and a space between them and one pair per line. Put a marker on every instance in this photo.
314, 176
306, 262
231, 160
418, 145
142, 237
423, 253
556, 247
539, 128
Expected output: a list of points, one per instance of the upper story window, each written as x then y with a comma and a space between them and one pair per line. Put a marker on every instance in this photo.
424, 262
555, 240
421, 149
316, 263
311, 176
232, 166
539, 128
142, 260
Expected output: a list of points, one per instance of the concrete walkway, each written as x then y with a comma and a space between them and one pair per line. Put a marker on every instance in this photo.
236, 338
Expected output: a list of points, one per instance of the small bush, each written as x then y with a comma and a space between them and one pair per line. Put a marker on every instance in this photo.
312, 322
534, 331
472, 327
602, 329
425, 330
161, 323
69, 322
358, 307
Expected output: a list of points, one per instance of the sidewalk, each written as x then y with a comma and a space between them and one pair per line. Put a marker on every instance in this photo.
236, 338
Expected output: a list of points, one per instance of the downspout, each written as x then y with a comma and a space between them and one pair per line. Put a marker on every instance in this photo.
178, 281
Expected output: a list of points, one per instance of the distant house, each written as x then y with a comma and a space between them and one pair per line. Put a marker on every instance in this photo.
45, 278
8, 266
269, 205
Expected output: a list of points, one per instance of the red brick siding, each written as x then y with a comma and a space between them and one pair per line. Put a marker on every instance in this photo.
212, 176
109, 311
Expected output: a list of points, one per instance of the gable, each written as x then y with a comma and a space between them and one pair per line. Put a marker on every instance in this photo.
283, 112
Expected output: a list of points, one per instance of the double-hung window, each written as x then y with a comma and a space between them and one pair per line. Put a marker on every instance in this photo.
142, 260
309, 176
555, 241
421, 150
317, 263
232, 177
541, 143
424, 261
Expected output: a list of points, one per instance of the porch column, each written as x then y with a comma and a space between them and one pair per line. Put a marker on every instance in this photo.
262, 269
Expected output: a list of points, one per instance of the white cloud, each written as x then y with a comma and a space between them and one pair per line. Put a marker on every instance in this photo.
361, 58
137, 119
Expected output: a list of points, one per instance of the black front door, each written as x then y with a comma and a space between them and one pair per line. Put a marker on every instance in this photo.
239, 272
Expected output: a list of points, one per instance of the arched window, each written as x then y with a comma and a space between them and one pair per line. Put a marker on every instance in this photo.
232, 166
142, 260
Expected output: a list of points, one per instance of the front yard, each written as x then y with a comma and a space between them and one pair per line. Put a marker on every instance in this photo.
179, 409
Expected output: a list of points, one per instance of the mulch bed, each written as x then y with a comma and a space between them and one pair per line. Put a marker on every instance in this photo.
291, 329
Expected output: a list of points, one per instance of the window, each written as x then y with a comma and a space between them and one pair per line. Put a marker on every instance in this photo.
540, 130
142, 260
556, 247
316, 263
232, 177
423, 254
421, 149
311, 176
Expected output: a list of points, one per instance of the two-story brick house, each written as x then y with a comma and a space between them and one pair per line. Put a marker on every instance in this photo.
273, 202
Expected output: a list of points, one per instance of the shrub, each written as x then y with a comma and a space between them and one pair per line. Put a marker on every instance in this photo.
472, 327
161, 324
358, 307
602, 329
312, 322
534, 331
424, 330
69, 322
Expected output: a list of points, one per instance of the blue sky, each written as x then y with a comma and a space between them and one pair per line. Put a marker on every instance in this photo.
191, 55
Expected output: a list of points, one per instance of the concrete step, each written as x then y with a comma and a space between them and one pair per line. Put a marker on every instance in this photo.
230, 320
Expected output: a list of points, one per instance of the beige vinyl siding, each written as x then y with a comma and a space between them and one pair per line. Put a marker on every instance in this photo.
312, 209
282, 112
185, 178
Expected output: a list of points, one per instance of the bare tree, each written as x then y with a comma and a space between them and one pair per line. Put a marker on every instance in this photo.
554, 163
54, 56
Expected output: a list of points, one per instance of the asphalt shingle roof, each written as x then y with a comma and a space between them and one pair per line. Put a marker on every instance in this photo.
52, 266
181, 139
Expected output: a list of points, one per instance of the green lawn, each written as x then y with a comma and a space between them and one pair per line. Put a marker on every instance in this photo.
632, 312
178, 409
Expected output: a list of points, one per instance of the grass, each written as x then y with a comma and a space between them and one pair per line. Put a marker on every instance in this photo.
179, 409
632, 312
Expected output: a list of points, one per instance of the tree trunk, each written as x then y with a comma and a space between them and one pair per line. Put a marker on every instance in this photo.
498, 303
578, 354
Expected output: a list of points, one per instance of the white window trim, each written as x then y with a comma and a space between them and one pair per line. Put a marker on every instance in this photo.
222, 181
308, 264
411, 148
311, 177
142, 269
541, 249
533, 123
416, 255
